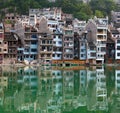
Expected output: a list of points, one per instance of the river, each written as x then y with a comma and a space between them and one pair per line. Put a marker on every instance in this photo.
60, 90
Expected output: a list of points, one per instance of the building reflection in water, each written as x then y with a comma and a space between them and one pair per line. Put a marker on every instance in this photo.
36, 90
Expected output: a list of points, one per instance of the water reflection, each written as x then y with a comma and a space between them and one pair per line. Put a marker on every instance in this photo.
47, 90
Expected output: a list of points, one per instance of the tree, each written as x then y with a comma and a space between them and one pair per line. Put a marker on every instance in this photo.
99, 14
105, 6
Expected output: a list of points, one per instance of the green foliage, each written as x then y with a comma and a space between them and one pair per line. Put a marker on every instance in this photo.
99, 14
104, 6
8, 22
80, 10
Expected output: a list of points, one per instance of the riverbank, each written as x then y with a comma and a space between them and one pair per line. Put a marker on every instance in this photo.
58, 65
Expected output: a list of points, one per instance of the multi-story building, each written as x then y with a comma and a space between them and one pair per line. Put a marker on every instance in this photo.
45, 48
116, 18
116, 37
83, 47
30, 45
97, 33
91, 53
3, 44
76, 46
12, 40
57, 45
110, 47
52, 24
68, 43
24, 20
79, 26
49, 13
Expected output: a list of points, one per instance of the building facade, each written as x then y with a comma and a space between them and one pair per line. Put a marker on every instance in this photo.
68, 43
97, 33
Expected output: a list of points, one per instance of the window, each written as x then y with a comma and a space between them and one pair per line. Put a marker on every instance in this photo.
34, 42
59, 36
26, 56
43, 47
118, 47
59, 42
118, 41
118, 74
81, 73
13, 17
5, 49
118, 16
34, 36
82, 50
93, 54
1, 35
103, 49
48, 55
82, 44
43, 41
98, 49
26, 49
58, 55
14, 42
0, 49
33, 50
31, 56
118, 54
5, 42
82, 55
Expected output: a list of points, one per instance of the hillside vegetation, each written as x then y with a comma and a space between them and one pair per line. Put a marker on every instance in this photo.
83, 11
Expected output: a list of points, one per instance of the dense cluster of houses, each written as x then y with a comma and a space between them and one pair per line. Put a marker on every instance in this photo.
49, 35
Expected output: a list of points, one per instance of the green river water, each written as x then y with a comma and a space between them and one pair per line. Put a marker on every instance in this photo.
53, 90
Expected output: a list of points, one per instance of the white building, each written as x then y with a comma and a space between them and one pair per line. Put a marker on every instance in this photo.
52, 24
68, 43
91, 52
79, 25
116, 18
116, 36
97, 33
57, 45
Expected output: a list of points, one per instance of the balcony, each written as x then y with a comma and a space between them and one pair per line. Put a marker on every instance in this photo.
101, 37
68, 39
46, 44
68, 33
101, 31
33, 46
46, 52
